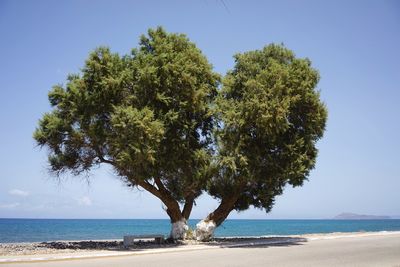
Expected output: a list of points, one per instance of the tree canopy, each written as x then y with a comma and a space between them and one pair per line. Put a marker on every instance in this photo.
270, 118
160, 119
147, 114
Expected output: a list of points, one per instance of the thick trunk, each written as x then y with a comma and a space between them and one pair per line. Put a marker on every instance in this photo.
205, 228
179, 225
179, 229
172, 210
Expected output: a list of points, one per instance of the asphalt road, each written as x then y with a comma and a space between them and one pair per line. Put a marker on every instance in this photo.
383, 250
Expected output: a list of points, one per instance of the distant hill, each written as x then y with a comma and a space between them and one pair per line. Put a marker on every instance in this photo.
353, 216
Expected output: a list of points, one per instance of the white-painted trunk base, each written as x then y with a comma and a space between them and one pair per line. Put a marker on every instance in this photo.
205, 230
179, 229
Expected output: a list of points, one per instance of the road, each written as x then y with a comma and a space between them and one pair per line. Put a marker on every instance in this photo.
380, 250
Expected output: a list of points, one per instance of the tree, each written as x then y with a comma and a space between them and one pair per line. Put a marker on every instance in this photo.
146, 114
270, 118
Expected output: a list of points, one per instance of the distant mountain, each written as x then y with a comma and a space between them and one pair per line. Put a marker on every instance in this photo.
353, 216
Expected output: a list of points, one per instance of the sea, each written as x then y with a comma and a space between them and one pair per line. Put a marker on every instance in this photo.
39, 230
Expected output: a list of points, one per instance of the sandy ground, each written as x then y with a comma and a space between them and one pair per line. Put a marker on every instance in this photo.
357, 249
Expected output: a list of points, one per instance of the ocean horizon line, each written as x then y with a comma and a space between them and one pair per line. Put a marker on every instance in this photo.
50, 218
234, 219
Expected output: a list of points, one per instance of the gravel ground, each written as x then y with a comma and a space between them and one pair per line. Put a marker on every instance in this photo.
8, 249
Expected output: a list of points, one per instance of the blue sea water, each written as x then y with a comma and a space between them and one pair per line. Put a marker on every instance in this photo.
37, 230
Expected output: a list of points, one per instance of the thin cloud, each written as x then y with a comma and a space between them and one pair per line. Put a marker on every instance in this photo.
18, 192
85, 201
9, 206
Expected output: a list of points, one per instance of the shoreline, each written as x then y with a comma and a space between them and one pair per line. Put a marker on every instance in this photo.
38, 251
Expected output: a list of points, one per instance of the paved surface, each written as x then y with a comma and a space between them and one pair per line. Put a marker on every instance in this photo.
379, 250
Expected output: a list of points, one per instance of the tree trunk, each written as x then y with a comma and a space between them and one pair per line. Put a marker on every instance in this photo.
205, 228
179, 229
179, 225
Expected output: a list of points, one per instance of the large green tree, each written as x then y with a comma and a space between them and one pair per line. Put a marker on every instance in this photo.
157, 117
270, 118
147, 114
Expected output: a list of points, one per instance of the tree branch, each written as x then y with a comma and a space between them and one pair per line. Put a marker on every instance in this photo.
187, 208
147, 186
227, 204
103, 160
161, 186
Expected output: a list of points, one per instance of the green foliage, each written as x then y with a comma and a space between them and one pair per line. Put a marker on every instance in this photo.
146, 113
157, 117
270, 120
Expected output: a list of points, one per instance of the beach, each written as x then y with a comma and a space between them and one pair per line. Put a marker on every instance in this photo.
335, 249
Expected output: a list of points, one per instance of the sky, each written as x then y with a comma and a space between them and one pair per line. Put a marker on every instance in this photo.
354, 45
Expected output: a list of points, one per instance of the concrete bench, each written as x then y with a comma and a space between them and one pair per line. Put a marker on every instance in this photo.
129, 239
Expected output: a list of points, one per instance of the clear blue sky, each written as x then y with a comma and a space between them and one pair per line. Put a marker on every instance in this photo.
355, 45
